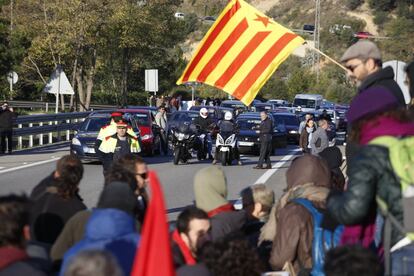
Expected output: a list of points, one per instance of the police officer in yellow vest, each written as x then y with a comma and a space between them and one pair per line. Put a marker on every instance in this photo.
113, 147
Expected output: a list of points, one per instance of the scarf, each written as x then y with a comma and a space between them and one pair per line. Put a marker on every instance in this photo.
188, 256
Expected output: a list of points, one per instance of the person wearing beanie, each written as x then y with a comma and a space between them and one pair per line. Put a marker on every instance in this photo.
111, 226
210, 189
373, 114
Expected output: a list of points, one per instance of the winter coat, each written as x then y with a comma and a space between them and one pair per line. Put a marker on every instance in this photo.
384, 77
304, 138
370, 174
112, 230
15, 261
266, 130
290, 225
316, 145
204, 123
49, 214
7, 119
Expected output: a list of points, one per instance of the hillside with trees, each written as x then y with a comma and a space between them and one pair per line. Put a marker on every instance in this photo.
105, 46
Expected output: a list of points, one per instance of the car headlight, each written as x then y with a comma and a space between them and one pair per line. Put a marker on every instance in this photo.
276, 130
146, 137
76, 142
293, 131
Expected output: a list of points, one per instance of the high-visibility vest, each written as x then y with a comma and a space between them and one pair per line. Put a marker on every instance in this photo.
108, 144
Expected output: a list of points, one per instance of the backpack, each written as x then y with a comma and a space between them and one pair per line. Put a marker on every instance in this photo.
401, 155
323, 239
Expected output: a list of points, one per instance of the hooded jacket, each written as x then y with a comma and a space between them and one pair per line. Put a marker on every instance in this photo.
292, 225
210, 188
112, 230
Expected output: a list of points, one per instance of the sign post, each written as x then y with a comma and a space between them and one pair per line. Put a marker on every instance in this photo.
151, 80
58, 84
12, 78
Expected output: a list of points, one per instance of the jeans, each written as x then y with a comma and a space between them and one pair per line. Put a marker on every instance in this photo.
209, 144
403, 261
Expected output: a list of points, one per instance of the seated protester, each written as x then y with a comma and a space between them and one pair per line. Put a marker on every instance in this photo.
210, 189
65, 167
231, 255
57, 204
333, 156
112, 229
14, 234
257, 202
75, 228
352, 260
291, 226
375, 114
193, 230
93, 263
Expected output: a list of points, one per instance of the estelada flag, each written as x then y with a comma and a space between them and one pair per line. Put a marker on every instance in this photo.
240, 52
154, 255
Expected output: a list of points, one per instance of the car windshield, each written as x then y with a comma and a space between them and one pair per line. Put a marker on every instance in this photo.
94, 124
142, 119
248, 124
234, 105
289, 120
306, 103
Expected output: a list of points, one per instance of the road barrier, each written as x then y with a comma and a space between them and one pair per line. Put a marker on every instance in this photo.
32, 129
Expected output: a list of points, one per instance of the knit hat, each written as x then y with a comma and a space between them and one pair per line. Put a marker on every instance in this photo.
374, 100
210, 188
363, 49
118, 195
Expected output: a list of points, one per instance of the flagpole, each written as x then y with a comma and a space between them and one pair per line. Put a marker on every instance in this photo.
328, 57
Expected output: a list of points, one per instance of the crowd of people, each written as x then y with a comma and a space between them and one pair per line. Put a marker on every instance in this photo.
321, 224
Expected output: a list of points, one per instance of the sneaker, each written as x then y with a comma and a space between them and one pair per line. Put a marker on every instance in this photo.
214, 162
239, 163
268, 167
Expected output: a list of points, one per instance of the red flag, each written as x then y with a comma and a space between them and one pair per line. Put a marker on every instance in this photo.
153, 255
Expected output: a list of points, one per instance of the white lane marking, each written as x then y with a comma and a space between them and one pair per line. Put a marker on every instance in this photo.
2, 168
29, 165
276, 166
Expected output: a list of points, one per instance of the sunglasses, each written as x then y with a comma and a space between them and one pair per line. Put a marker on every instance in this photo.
353, 67
143, 175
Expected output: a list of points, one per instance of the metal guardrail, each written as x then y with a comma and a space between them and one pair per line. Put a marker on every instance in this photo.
35, 127
51, 106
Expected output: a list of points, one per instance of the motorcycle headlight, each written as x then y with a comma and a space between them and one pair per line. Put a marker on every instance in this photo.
146, 137
230, 140
76, 142
220, 139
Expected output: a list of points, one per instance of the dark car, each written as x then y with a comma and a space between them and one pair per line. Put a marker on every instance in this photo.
248, 138
180, 117
237, 106
259, 107
83, 143
291, 122
216, 112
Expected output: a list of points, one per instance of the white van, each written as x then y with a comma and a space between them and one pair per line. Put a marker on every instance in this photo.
308, 102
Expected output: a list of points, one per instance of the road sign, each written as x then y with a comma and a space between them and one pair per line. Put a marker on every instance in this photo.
399, 76
12, 77
151, 80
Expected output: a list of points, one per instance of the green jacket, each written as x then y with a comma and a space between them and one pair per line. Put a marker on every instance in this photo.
370, 174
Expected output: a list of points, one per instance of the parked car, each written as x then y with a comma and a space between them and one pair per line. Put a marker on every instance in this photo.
236, 105
309, 28
291, 122
248, 137
363, 35
216, 112
180, 117
83, 143
150, 132
264, 107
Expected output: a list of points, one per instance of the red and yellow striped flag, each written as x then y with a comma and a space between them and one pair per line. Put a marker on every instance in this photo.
240, 52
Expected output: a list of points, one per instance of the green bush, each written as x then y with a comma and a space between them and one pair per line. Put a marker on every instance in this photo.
380, 18
353, 4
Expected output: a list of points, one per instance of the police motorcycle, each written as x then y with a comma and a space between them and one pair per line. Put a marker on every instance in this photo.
226, 142
183, 139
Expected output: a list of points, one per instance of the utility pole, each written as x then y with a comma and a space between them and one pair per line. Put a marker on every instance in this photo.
316, 37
